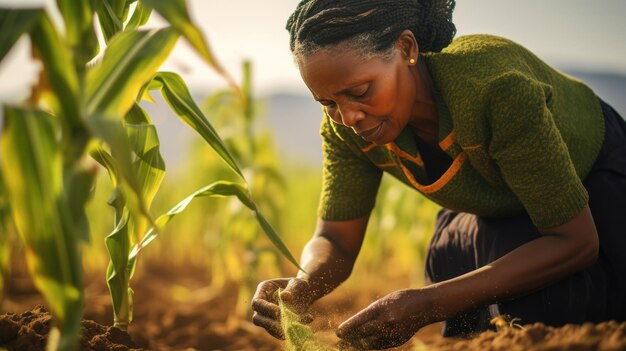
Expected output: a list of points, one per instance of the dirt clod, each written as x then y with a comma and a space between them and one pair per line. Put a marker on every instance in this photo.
29, 331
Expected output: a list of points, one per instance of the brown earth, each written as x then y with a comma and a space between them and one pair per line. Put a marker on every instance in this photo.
177, 309
28, 331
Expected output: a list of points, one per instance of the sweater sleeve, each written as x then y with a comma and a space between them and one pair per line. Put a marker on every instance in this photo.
350, 180
532, 156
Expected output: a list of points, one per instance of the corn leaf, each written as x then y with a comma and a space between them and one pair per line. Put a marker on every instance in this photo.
137, 115
80, 180
60, 74
131, 59
80, 34
120, 164
111, 15
14, 23
140, 16
217, 189
118, 244
175, 12
177, 95
148, 168
31, 164
5, 240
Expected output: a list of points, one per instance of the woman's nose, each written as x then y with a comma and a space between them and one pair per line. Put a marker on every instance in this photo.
350, 116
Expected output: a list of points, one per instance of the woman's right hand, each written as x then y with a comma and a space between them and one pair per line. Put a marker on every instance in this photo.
297, 295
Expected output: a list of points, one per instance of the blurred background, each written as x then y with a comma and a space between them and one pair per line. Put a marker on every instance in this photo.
280, 148
583, 38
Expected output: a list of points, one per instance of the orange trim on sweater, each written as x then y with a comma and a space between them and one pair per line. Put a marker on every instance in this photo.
447, 141
441, 182
405, 155
369, 147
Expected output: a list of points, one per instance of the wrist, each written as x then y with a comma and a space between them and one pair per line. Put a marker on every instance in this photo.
433, 306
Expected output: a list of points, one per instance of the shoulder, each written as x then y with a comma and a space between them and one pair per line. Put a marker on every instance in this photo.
481, 56
481, 44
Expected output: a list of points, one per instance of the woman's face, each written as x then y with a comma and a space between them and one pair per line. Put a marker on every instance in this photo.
372, 96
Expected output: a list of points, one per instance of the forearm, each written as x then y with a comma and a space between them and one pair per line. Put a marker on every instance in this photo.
326, 265
532, 266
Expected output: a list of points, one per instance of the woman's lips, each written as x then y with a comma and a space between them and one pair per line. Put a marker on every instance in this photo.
371, 133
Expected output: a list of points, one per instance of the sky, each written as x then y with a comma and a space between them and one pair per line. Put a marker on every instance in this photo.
581, 34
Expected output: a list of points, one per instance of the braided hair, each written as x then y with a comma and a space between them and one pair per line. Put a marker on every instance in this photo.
370, 25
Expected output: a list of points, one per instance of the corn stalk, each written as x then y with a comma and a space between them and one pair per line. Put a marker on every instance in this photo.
86, 105
239, 251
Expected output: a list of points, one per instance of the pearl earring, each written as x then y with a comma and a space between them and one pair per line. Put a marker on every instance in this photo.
412, 61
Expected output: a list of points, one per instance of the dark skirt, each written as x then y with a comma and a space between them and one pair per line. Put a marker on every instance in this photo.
463, 242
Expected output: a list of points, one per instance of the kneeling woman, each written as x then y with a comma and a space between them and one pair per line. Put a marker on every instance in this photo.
528, 164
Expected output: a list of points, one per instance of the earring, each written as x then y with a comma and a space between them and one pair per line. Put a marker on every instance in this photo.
412, 61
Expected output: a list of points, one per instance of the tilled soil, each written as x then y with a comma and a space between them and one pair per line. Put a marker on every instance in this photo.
606, 336
28, 331
177, 309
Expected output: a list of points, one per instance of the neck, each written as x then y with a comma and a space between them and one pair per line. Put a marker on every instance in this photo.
424, 119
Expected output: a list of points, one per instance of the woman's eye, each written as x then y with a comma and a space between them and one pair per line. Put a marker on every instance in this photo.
361, 92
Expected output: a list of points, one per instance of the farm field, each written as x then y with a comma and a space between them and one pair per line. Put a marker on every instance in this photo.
179, 311
106, 245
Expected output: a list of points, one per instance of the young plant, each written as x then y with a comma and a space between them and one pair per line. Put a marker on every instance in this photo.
86, 105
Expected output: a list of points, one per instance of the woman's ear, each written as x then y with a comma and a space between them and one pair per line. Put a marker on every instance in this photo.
408, 46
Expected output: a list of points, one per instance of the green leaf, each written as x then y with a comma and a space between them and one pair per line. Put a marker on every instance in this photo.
14, 23
121, 166
80, 34
246, 90
111, 15
178, 97
140, 16
217, 189
131, 59
80, 179
5, 239
60, 74
175, 12
148, 168
32, 166
118, 245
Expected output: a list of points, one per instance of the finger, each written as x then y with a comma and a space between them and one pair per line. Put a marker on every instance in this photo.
296, 295
351, 326
294, 288
267, 289
363, 331
376, 342
266, 308
272, 326
306, 318
368, 328
372, 342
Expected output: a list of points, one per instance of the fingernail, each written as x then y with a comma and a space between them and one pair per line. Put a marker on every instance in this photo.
285, 295
339, 333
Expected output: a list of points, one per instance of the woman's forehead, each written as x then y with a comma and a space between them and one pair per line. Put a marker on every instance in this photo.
332, 71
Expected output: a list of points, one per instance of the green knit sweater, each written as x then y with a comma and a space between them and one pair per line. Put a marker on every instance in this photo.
521, 134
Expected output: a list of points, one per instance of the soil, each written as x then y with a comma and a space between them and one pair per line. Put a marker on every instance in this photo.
177, 309
28, 331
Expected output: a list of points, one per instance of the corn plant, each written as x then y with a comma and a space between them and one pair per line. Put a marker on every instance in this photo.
240, 249
85, 107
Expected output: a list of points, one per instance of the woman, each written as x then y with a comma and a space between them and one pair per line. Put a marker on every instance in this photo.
528, 164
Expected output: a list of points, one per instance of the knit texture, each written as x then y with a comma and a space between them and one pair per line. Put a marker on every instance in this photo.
521, 134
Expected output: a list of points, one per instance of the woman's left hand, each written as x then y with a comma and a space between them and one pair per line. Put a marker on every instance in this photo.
389, 321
